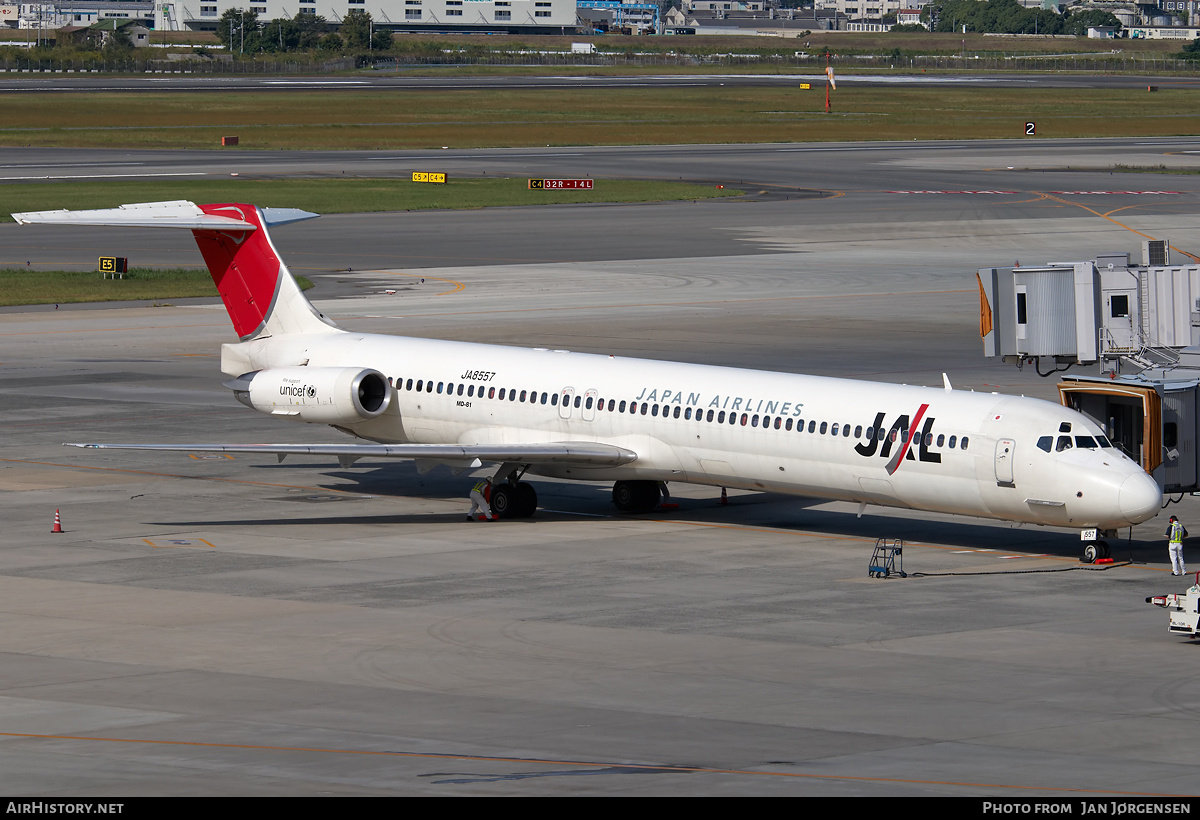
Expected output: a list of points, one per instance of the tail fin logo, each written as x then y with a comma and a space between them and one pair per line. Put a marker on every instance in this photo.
238, 237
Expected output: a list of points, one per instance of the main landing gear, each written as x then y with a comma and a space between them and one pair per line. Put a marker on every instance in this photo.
517, 500
636, 496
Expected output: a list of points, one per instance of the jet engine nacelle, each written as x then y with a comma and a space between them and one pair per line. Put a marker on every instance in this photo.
323, 395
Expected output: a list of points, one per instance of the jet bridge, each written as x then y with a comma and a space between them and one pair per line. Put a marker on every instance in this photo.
1139, 323
1107, 311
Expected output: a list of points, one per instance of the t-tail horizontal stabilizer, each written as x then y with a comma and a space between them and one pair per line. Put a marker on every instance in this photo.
176, 214
259, 293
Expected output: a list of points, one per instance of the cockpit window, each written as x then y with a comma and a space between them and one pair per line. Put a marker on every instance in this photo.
1046, 443
1064, 443
1104, 442
1064, 427
1085, 441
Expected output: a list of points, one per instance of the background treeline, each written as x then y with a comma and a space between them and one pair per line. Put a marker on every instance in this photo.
1010, 17
243, 33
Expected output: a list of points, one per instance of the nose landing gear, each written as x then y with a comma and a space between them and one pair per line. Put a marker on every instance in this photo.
1095, 548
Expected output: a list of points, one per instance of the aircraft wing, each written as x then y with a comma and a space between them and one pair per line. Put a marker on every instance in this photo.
588, 453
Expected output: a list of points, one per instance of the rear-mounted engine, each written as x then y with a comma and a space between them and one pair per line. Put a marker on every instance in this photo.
323, 395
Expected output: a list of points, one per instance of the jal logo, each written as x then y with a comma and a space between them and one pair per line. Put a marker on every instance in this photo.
901, 441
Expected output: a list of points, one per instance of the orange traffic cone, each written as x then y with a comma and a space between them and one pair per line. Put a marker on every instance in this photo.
57, 522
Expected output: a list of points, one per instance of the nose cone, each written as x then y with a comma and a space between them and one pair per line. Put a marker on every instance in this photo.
1140, 498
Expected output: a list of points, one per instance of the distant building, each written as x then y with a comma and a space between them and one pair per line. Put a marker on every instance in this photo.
636, 16
772, 22
868, 25
724, 5
1163, 32
98, 34
139, 35
519, 16
866, 11
1187, 11
597, 19
56, 15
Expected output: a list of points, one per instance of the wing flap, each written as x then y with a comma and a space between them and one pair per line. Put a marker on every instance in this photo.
560, 452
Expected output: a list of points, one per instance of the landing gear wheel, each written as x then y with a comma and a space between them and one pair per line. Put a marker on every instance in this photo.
623, 495
635, 496
1105, 552
526, 501
504, 501
1091, 551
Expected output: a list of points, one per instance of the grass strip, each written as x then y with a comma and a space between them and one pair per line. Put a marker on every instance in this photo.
24, 286
340, 195
396, 119
1143, 169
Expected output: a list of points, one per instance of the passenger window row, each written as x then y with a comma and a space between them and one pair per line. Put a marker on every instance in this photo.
673, 411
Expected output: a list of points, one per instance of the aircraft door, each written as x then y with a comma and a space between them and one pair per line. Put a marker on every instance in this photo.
589, 405
1005, 448
1123, 427
1121, 305
565, 397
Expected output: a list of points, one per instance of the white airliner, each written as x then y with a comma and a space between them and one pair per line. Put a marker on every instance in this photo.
634, 422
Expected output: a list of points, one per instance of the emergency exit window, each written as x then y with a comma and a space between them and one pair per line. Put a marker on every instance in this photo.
1119, 305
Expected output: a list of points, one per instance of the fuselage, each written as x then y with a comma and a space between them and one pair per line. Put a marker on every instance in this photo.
980, 454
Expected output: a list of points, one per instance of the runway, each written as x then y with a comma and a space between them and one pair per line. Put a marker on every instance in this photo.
237, 626
400, 78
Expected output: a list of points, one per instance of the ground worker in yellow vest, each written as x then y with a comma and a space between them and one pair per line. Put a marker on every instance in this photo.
1176, 532
479, 502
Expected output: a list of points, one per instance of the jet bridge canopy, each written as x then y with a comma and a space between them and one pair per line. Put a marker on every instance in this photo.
1153, 420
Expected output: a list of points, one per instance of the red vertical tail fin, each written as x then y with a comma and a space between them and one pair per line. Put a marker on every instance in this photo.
259, 292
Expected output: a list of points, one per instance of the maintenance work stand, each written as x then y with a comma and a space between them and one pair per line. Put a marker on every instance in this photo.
884, 563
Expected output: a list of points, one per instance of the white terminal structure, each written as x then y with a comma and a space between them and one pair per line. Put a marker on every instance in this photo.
400, 15
868, 9
1140, 323
53, 15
